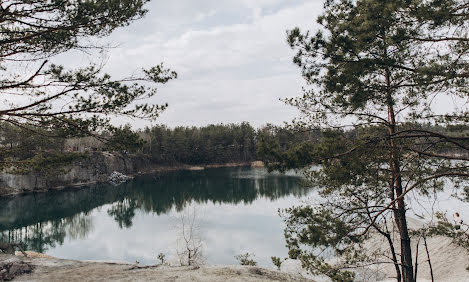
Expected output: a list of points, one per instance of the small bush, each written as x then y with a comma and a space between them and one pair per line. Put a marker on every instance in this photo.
162, 258
276, 261
245, 259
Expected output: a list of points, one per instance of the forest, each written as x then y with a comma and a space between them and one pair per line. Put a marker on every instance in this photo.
212, 144
279, 147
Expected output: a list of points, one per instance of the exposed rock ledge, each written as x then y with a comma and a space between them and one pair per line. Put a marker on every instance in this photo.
98, 167
47, 269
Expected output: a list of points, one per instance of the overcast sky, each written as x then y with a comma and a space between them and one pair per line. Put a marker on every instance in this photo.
231, 56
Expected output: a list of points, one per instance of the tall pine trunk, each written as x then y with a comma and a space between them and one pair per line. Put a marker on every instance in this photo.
396, 187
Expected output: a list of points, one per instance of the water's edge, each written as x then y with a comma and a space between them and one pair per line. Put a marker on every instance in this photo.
95, 169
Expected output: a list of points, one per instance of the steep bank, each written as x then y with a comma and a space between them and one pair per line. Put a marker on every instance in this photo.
95, 168
49, 269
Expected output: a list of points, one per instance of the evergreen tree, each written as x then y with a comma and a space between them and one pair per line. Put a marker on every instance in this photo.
74, 101
375, 67
124, 139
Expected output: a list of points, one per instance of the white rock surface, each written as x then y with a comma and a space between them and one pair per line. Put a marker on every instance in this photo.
293, 266
117, 178
47, 269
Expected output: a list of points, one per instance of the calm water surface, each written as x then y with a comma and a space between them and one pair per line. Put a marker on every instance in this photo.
236, 211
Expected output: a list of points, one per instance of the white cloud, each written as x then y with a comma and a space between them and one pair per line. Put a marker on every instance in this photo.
231, 56
223, 46
202, 16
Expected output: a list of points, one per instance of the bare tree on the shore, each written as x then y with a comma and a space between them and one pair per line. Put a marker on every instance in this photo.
189, 243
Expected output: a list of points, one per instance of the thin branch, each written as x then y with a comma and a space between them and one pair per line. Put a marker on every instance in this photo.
400, 197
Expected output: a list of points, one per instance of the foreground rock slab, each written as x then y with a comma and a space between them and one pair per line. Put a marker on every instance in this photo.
11, 267
47, 269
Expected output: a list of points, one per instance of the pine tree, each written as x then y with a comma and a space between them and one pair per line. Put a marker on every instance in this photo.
374, 69
73, 101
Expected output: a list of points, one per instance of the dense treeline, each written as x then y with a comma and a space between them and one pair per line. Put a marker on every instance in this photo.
23, 149
219, 144
212, 144
282, 147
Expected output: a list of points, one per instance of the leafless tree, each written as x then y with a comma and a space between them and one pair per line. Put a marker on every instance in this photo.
189, 241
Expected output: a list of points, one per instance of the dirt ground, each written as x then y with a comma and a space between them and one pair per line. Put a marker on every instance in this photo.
49, 269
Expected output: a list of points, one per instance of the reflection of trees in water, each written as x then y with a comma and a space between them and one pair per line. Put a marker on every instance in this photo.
123, 212
46, 219
215, 186
38, 237
79, 226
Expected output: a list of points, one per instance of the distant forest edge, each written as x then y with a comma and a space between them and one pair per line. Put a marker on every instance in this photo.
23, 150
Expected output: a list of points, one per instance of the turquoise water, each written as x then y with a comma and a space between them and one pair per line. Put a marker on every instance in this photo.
235, 211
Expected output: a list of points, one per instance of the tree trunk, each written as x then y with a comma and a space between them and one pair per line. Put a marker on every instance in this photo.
406, 252
394, 257
396, 187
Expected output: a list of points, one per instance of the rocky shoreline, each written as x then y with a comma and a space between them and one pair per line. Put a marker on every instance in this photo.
36, 268
449, 264
97, 168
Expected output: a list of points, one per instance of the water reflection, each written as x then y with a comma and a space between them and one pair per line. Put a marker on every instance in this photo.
123, 212
43, 235
42, 221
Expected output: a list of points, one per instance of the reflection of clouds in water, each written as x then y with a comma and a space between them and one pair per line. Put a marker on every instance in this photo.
135, 221
226, 229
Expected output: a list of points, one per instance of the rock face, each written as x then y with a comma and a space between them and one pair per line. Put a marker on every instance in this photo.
96, 168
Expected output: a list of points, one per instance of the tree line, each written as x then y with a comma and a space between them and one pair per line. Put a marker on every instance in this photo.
211, 144
279, 146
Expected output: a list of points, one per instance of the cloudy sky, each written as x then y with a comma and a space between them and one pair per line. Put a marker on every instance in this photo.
231, 56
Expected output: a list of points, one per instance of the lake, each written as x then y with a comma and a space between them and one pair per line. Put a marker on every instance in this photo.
235, 210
